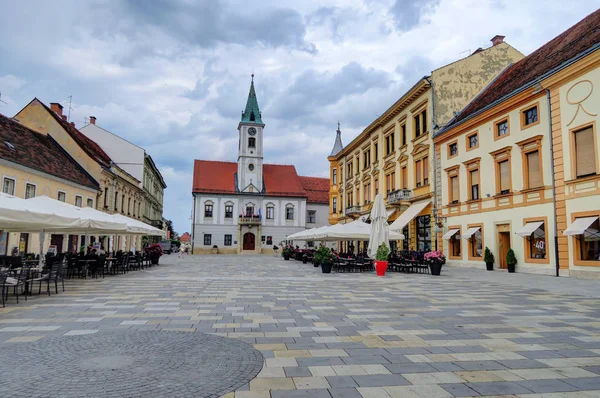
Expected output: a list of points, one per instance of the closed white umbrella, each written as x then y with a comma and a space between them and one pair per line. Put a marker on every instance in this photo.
379, 227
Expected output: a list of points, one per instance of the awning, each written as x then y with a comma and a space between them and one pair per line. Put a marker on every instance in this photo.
529, 228
409, 214
579, 226
470, 232
450, 234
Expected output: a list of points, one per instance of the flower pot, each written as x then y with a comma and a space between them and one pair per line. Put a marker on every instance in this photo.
316, 263
326, 268
381, 267
511, 268
489, 266
286, 257
435, 267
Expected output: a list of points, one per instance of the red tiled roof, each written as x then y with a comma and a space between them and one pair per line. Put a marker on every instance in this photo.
88, 145
39, 152
316, 188
185, 237
279, 180
575, 40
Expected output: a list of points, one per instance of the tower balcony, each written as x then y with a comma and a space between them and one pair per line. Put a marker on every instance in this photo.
399, 195
249, 220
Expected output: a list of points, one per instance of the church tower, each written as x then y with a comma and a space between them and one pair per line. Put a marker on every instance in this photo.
250, 152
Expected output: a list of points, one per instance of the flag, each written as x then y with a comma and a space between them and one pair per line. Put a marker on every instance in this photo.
260, 214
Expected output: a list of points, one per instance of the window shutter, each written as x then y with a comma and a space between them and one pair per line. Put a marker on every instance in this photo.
454, 182
418, 167
474, 177
533, 168
425, 168
585, 155
504, 176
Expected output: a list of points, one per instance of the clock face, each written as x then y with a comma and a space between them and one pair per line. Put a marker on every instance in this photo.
251, 131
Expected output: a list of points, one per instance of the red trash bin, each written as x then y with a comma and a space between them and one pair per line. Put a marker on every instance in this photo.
381, 267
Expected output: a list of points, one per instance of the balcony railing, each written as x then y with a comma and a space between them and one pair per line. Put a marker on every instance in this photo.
352, 210
249, 220
399, 195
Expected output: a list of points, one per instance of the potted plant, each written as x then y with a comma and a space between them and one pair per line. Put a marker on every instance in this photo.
381, 257
435, 259
326, 259
154, 252
304, 258
287, 252
215, 249
511, 260
488, 257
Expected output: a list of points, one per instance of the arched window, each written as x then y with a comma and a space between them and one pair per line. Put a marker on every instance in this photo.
289, 212
251, 142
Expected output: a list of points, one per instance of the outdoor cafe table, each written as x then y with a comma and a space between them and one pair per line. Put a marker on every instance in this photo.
86, 263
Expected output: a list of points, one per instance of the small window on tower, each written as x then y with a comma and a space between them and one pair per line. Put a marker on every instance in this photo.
251, 142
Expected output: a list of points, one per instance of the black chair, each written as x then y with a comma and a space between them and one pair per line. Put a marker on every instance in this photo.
18, 284
3, 276
50, 277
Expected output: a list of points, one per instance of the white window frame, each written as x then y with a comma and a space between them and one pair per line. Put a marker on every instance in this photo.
34, 189
87, 200
288, 207
58, 196
80, 197
14, 184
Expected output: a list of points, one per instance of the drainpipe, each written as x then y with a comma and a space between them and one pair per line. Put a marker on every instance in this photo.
193, 223
553, 182
434, 168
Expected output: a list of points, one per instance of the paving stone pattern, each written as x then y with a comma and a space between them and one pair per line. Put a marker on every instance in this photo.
465, 333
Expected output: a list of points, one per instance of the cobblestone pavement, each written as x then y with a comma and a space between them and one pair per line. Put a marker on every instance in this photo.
465, 333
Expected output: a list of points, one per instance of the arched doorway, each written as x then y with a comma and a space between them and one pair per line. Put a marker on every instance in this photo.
248, 241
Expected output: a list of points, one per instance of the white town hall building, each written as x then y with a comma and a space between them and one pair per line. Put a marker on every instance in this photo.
250, 206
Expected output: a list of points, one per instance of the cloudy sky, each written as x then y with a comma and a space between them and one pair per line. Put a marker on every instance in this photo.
173, 75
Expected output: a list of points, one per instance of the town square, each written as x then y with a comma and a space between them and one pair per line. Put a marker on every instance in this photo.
366, 198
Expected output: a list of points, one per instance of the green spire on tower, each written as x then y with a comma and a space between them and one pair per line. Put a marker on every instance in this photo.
252, 112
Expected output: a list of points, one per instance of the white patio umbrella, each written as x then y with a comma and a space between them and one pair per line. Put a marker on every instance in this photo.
379, 227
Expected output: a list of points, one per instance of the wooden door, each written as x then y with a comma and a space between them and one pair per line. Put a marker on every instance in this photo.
57, 240
503, 246
248, 241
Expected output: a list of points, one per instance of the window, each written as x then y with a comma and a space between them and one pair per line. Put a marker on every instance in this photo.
128, 206
62, 196
207, 239
425, 171
453, 191
474, 184
134, 207
390, 182
8, 186
123, 204
529, 116
249, 211
366, 159
403, 133
389, 144
228, 211
208, 211
262, 239
251, 142
376, 151
357, 164
376, 186
452, 149
420, 123
349, 170
502, 129
422, 172
270, 212
334, 176
537, 244
334, 205
589, 243
476, 244
419, 173
90, 203
106, 198
226, 240
405, 242
312, 216
585, 152
269, 240
534, 177
29, 191
78, 201
472, 141
289, 213
424, 233
404, 177
454, 244
349, 199
504, 176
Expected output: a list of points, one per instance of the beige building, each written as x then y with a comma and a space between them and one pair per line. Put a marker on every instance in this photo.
519, 164
119, 191
394, 155
34, 165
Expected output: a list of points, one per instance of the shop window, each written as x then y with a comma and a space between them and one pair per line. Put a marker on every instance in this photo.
424, 233
537, 243
589, 243
454, 242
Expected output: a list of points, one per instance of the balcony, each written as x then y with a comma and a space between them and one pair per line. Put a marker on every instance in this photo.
249, 220
353, 210
399, 195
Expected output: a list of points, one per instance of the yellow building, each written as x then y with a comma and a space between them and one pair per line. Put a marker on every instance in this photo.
33, 165
394, 155
519, 165
119, 191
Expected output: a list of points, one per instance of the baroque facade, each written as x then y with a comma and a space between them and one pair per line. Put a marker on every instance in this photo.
394, 155
520, 164
248, 206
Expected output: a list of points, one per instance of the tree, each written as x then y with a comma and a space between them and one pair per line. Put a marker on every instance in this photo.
173, 234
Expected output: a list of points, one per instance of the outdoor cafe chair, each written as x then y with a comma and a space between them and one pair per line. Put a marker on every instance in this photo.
19, 283
3, 277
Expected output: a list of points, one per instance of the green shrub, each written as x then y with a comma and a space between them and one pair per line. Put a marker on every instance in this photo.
382, 252
323, 255
488, 257
510, 257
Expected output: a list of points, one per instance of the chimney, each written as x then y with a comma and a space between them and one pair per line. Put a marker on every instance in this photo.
72, 124
64, 118
92, 119
497, 40
56, 107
